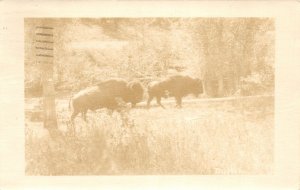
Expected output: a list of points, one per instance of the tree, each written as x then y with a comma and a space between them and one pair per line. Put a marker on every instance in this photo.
230, 48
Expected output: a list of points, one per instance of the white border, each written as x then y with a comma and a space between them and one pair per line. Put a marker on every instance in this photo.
287, 154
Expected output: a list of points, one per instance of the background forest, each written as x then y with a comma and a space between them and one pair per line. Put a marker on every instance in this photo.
233, 56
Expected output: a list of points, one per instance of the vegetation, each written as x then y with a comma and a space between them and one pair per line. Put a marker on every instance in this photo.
231, 137
233, 57
225, 52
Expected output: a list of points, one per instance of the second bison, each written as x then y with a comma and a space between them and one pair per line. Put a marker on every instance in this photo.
105, 95
176, 86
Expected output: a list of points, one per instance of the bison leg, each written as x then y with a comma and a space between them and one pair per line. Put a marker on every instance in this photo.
133, 104
83, 114
74, 114
178, 102
158, 100
149, 101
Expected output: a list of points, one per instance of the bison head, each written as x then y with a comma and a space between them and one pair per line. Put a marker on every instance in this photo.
136, 92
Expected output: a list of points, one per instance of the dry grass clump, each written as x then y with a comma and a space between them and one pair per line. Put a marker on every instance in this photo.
207, 138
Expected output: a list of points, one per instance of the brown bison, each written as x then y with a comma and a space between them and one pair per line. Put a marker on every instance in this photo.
106, 94
176, 86
130, 92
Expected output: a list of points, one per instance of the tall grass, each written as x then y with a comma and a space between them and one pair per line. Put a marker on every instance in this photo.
207, 138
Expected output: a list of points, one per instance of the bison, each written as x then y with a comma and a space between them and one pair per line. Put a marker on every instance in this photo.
106, 94
130, 92
176, 86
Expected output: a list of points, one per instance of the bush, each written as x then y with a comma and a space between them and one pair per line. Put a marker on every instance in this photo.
258, 83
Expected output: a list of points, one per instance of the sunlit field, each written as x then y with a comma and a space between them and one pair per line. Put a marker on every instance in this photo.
204, 137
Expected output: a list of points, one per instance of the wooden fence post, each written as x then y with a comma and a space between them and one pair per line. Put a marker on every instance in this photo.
44, 42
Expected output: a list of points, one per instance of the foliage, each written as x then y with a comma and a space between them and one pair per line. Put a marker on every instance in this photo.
221, 51
257, 83
233, 137
234, 48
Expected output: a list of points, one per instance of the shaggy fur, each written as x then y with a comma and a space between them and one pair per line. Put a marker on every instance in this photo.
130, 92
106, 94
176, 86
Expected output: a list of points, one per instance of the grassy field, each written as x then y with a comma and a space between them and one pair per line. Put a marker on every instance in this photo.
205, 137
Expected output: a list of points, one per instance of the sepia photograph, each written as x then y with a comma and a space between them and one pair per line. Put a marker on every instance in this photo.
149, 96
